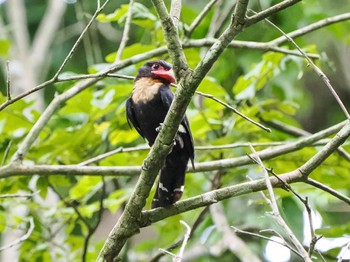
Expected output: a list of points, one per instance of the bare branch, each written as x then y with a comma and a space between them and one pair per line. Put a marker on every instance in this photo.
316, 69
179, 256
22, 238
19, 195
327, 189
8, 81
154, 215
175, 12
200, 17
237, 230
234, 110
125, 36
270, 11
276, 214
16, 169
310, 28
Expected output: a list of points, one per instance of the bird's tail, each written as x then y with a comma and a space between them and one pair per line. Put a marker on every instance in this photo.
171, 180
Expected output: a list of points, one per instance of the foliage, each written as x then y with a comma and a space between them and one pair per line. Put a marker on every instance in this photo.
264, 86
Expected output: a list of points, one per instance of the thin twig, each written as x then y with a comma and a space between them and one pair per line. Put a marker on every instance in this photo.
311, 27
65, 61
234, 110
6, 153
273, 203
240, 231
305, 201
71, 52
8, 81
327, 189
111, 153
125, 36
20, 195
294, 131
179, 256
316, 69
199, 18
22, 238
344, 250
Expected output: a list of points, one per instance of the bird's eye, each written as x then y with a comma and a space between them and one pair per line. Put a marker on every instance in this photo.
155, 66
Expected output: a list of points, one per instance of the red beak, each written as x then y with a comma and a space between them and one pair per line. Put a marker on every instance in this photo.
165, 74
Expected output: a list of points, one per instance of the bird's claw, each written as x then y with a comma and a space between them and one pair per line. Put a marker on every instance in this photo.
159, 127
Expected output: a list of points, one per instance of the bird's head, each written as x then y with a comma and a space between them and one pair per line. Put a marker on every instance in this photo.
157, 69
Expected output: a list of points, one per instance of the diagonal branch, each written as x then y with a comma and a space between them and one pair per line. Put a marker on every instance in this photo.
127, 224
316, 69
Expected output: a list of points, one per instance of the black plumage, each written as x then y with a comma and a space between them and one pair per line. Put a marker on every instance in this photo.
146, 110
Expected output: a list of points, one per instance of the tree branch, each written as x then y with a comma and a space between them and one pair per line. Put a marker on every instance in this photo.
206, 199
127, 224
125, 36
276, 213
17, 169
310, 28
268, 46
318, 71
22, 238
200, 17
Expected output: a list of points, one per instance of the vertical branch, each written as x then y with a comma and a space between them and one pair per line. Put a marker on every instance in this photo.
175, 12
172, 38
125, 36
8, 81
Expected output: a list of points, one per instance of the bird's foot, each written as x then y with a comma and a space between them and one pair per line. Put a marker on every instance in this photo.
159, 127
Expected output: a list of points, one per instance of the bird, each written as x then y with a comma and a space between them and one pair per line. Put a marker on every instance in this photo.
146, 109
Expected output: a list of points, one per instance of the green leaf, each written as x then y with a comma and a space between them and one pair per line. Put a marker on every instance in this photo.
246, 86
4, 47
3, 220
293, 215
115, 200
140, 16
130, 51
42, 185
84, 187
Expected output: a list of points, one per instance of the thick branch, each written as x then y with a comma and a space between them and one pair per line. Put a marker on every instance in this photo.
127, 224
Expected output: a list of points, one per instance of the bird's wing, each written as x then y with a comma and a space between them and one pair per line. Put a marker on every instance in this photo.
167, 97
189, 145
130, 116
